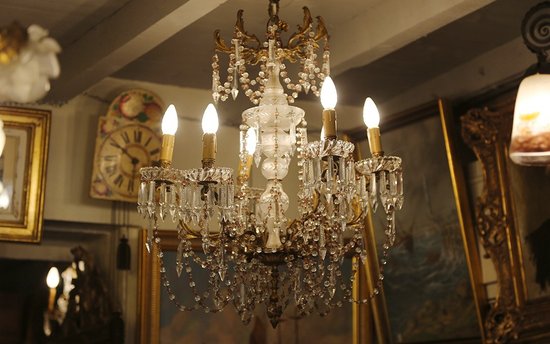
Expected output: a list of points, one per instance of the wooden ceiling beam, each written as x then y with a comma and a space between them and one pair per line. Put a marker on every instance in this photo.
121, 38
391, 25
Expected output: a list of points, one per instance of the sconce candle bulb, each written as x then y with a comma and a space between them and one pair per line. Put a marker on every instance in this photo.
329, 99
210, 126
371, 117
52, 280
169, 128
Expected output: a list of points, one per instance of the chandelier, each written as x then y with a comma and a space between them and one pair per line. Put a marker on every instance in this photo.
252, 252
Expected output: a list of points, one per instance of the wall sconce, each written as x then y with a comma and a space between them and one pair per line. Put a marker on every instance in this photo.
530, 143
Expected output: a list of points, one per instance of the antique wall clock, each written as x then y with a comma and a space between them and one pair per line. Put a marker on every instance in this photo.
128, 138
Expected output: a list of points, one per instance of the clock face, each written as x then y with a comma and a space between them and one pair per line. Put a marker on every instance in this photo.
121, 155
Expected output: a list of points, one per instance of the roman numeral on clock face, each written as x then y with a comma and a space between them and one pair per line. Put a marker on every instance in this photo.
125, 137
138, 134
148, 141
119, 180
131, 185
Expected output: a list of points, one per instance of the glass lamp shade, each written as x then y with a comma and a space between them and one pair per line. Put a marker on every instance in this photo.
530, 144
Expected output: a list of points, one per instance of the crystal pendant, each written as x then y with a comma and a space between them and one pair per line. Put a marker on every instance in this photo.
179, 258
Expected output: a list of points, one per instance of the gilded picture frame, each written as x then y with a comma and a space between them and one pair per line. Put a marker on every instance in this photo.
23, 167
517, 315
364, 327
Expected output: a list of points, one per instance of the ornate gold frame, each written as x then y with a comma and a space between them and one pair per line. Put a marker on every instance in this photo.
37, 125
149, 292
511, 318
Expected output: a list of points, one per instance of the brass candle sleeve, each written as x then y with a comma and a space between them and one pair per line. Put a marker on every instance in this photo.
51, 299
209, 149
375, 144
167, 149
329, 123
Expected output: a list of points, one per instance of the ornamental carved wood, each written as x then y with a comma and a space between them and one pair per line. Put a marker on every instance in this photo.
512, 317
482, 132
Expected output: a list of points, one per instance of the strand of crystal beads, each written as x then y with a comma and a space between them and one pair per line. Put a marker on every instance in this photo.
215, 78
386, 247
305, 173
218, 300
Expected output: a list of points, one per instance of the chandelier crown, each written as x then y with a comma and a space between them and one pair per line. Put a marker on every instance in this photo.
247, 50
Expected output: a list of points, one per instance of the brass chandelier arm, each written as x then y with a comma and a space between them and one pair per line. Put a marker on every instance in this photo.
322, 32
219, 43
239, 30
302, 30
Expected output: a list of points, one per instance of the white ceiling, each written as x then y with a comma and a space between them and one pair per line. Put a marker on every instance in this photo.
380, 47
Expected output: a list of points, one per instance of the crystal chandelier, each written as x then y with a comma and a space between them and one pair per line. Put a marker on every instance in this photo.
252, 252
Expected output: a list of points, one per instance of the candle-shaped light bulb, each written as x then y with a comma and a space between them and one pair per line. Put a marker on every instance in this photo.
170, 121
251, 141
322, 137
210, 122
169, 128
328, 100
209, 127
328, 94
52, 280
371, 116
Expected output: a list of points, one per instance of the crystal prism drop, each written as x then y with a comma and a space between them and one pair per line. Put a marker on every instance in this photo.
257, 158
221, 272
151, 199
323, 253
149, 241
172, 202
142, 197
162, 200
179, 258
332, 284
234, 93
148, 245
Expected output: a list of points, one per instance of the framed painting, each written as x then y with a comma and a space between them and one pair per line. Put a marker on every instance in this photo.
160, 321
428, 293
22, 173
513, 226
